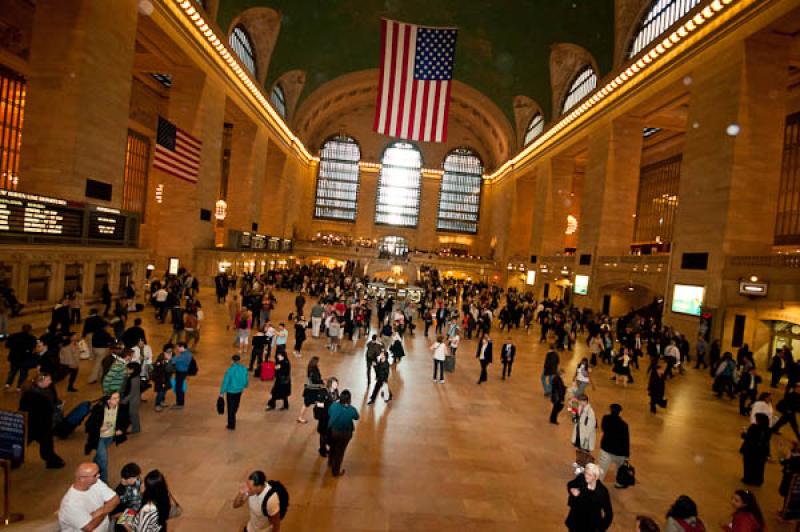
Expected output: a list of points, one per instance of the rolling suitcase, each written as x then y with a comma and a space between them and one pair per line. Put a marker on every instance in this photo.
268, 371
75, 417
449, 363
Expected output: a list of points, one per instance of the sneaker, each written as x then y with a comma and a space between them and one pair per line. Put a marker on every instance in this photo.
159, 408
441, 381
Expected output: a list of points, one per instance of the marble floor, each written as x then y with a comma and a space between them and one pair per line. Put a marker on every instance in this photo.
439, 457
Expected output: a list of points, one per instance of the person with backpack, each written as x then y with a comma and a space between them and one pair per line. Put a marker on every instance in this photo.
615, 447
682, 517
233, 384
267, 502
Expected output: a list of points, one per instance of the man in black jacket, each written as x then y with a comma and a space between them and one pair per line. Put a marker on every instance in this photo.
550, 370
507, 356
382, 370
788, 408
40, 403
374, 348
20, 354
615, 447
656, 388
558, 394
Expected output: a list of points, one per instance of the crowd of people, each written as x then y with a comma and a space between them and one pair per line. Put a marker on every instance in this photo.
335, 305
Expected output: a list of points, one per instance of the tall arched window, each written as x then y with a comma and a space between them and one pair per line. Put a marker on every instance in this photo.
278, 99
582, 84
658, 19
337, 179
460, 194
399, 186
243, 47
534, 129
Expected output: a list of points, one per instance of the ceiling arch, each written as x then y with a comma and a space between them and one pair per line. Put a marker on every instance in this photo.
335, 105
503, 46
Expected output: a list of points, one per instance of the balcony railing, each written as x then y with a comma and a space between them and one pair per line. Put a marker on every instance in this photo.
770, 261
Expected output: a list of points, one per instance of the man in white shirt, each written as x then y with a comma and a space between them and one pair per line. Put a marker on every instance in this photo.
87, 503
160, 297
673, 356
253, 492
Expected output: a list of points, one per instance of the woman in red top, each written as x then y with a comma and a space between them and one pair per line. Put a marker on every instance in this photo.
747, 516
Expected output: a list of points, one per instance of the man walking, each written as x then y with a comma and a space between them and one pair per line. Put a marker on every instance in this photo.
484, 355
550, 369
656, 388
317, 312
558, 394
374, 348
20, 354
233, 384
40, 403
382, 370
181, 362
507, 356
615, 447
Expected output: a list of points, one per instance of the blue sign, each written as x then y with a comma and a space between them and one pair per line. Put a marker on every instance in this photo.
12, 436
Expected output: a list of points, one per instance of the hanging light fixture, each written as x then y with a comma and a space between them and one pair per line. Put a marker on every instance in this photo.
221, 210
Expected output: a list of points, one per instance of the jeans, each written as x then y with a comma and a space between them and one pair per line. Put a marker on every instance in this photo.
338, 444
438, 365
581, 387
547, 383
232, 400
161, 394
180, 377
101, 457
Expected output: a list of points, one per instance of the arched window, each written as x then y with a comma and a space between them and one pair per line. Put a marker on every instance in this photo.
337, 179
582, 84
460, 194
534, 129
658, 19
278, 99
399, 186
243, 46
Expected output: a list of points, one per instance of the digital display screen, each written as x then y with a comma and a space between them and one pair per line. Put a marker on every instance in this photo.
530, 279
581, 286
107, 224
174, 263
688, 299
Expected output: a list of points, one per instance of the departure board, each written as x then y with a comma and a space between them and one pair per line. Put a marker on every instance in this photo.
106, 224
33, 214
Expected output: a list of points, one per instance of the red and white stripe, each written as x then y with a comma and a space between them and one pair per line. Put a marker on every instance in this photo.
408, 108
184, 162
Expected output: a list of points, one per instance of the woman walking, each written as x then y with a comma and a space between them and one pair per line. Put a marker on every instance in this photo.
747, 516
340, 422
439, 350
755, 450
156, 505
327, 397
282, 388
584, 429
589, 504
244, 323
299, 335
397, 350
582, 378
334, 333
311, 390
107, 423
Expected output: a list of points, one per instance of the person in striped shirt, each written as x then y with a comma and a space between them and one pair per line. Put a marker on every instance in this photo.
156, 504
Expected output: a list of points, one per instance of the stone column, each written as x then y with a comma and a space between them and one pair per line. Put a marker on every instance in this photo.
551, 205
522, 208
197, 105
731, 165
608, 203
272, 208
78, 95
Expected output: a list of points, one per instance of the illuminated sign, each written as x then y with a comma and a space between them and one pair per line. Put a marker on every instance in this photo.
581, 286
530, 280
688, 299
172, 269
753, 289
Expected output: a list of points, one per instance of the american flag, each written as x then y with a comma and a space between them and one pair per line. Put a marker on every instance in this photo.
177, 152
414, 84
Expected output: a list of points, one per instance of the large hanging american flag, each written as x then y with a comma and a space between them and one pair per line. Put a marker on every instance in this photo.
177, 152
414, 84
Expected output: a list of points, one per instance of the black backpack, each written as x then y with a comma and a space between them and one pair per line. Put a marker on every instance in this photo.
283, 498
626, 475
192, 369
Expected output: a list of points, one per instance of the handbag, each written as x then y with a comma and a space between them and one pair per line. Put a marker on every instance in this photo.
175, 509
220, 405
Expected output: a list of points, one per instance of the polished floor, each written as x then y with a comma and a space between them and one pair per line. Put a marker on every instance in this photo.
439, 457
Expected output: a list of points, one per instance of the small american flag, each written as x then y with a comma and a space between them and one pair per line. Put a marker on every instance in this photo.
414, 84
177, 152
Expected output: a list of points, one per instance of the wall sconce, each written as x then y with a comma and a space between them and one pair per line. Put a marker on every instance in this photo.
220, 210
160, 193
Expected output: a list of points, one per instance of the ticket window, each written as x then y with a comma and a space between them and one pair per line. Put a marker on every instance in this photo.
125, 275
72, 277
38, 283
100, 278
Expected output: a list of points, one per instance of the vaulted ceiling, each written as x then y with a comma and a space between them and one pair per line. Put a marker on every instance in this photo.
503, 47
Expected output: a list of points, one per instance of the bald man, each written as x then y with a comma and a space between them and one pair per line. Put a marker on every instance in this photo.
88, 502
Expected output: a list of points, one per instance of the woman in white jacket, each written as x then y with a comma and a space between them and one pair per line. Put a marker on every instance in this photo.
585, 425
